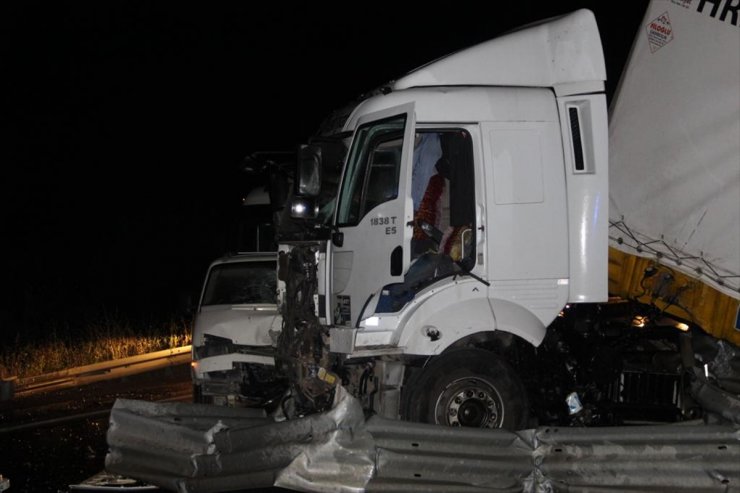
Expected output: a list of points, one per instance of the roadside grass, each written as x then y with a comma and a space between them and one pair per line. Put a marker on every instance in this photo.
102, 341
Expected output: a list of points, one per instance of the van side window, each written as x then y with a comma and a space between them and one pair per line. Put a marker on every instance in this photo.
443, 194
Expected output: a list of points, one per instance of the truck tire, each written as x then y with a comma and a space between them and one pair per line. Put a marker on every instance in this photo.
467, 387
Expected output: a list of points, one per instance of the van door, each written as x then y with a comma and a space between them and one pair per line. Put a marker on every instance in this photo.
371, 248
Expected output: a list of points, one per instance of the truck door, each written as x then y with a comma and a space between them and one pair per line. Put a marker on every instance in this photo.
371, 248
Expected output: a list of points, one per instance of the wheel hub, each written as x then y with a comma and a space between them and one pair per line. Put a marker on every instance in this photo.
471, 402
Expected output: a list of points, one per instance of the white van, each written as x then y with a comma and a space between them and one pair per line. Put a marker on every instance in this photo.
234, 331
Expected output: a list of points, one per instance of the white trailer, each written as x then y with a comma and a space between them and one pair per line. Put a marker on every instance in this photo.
674, 152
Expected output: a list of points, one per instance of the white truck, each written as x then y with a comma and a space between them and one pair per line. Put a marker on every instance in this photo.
465, 278
487, 266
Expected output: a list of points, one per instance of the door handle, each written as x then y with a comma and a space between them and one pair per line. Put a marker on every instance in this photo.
397, 261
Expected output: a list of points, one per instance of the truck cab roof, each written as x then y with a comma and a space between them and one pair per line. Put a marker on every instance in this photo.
564, 53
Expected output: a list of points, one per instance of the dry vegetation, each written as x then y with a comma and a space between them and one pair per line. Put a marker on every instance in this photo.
102, 341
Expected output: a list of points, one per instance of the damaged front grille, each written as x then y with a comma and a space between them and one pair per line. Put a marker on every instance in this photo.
303, 345
648, 396
245, 384
218, 346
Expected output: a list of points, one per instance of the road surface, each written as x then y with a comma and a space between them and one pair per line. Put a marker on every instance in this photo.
51, 440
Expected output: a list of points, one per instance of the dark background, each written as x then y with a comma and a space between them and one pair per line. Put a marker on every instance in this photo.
126, 123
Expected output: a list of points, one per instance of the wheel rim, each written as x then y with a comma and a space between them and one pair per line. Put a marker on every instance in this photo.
471, 402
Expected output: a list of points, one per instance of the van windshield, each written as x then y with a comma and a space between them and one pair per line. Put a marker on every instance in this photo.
241, 283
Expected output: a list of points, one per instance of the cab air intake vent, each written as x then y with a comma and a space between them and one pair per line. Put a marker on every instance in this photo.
575, 131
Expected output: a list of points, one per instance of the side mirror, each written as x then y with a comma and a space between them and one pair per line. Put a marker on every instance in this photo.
308, 175
337, 238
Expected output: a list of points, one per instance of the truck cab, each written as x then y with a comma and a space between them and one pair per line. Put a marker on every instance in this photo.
471, 210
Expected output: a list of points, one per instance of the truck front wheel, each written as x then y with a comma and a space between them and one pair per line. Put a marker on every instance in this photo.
467, 387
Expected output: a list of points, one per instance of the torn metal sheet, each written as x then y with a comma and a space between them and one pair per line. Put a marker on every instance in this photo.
196, 448
715, 400
419, 457
201, 448
106, 482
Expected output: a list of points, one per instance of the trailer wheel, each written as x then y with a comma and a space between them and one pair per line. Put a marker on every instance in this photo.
467, 387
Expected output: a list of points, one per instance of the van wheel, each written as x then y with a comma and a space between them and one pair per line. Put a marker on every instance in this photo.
467, 387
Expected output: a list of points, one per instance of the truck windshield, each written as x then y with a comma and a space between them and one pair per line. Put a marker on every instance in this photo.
372, 170
241, 283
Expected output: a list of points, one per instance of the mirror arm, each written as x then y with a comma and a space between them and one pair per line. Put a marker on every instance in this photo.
466, 272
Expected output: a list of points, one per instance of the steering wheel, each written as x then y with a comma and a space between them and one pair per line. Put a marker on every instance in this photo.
432, 232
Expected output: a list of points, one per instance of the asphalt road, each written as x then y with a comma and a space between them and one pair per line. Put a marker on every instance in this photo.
51, 440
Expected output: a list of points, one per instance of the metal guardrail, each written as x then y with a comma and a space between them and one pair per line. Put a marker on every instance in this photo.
212, 449
96, 372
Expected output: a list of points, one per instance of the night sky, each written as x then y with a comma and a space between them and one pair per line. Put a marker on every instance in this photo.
125, 123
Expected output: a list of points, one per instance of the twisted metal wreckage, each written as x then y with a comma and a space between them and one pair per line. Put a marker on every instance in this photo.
211, 449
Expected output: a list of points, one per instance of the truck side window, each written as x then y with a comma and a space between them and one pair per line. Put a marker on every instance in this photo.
372, 170
444, 194
444, 214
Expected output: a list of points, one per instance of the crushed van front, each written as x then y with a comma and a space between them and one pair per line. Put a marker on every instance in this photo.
234, 331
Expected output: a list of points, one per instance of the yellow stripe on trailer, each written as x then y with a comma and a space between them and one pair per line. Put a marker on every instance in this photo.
697, 302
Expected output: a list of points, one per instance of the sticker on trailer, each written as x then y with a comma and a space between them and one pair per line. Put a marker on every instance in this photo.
682, 3
660, 32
